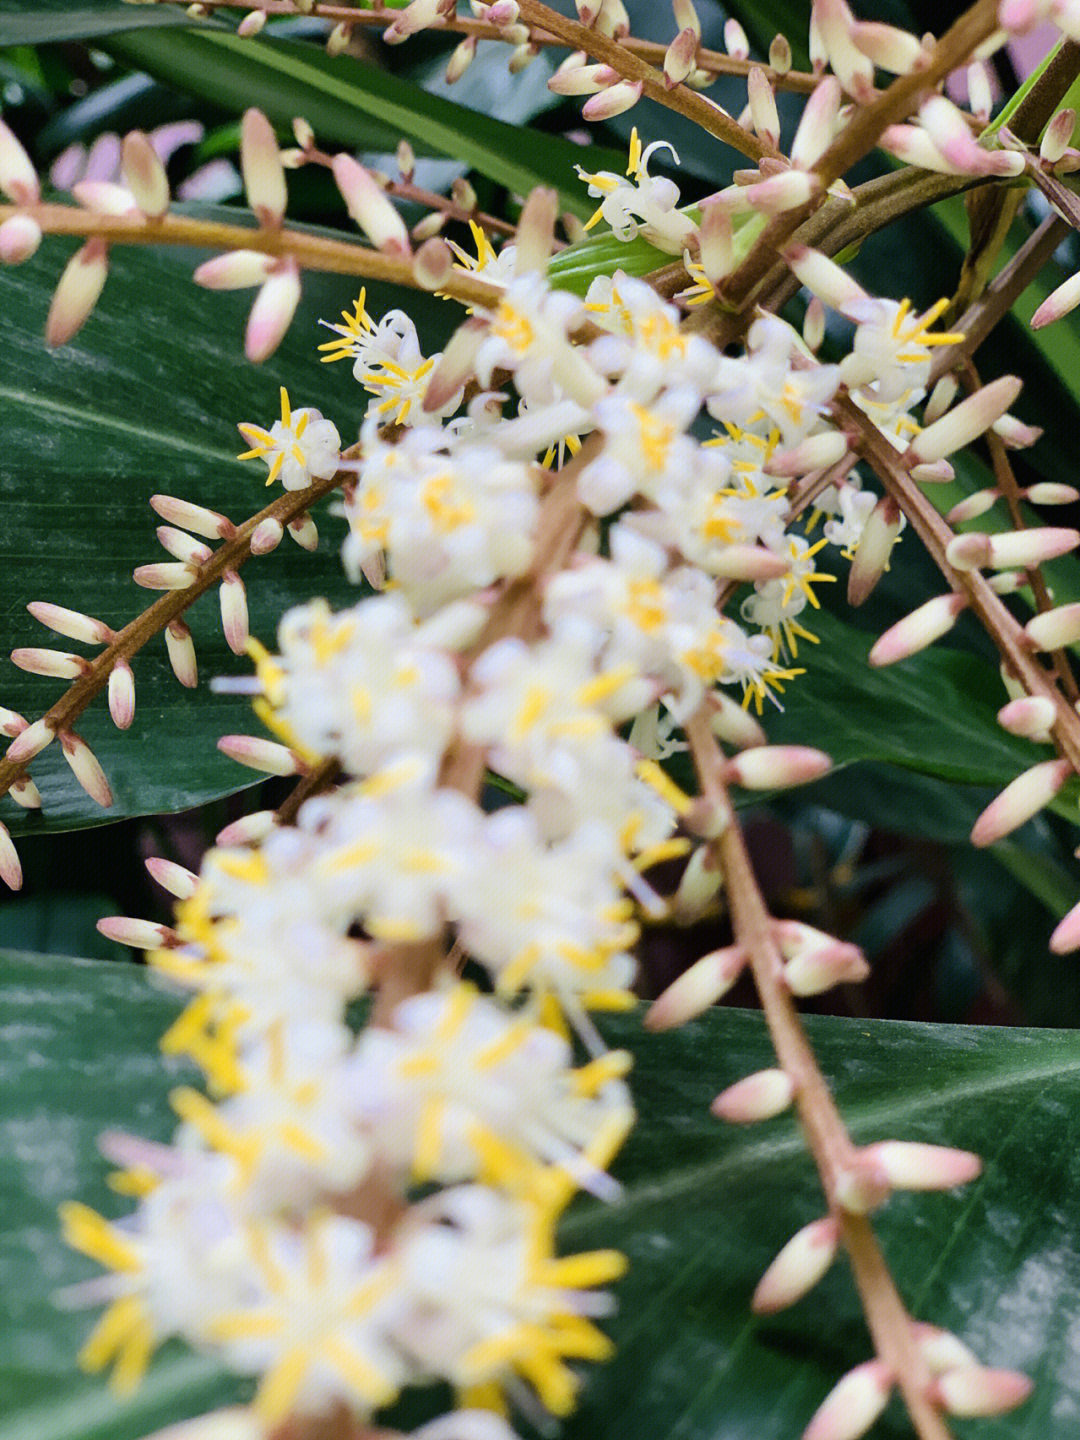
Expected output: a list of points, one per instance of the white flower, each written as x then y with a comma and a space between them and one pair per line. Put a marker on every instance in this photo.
641, 202
300, 447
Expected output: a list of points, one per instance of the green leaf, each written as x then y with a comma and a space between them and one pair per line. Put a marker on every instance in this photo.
45, 21
337, 96
146, 400
704, 1210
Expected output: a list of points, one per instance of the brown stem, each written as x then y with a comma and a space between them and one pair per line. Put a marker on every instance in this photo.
319, 778
831, 1146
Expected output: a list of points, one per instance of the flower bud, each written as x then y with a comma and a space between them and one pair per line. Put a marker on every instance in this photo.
775, 767
10, 869
172, 877
941, 397
86, 768
337, 42
707, 981
803, 1261
679, 57
1011, 548
941, 1349
57, 664
1064, 940
304, 532
818, 968
1018, 802
18, 178
164, 576
369, 207
260, 161
780, 57
252, 24
852, 1405
908, 1165
236, 270
966, 421
1032, 716
11, 722
181, 651
138, 934
72, 623
182, 545
973, 506
748, 562
144, 174
980, 93
19, 239
897, 51
1058, 303
1048, 492
1056, 136
234, 612
189, 516
25, 793
461, 58
273, 310
686, 16
757, 1097
103, 197
615, 100
822, 276
266, 756
732, 724
735, 42
697, 890
266, 536
77, 293
122, 695
31, 742
248, 830
763, 112
972, 1391
918, 630
1056, 628
816, 452
817, 127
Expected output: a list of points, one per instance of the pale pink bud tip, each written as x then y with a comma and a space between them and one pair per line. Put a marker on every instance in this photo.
139, 934
775, 767
1058, 303
25, 793
1055, 628
122, 695
1066, 936
679, 57
258, 754
266, 536
707, 980
10, 869
822, 276
909, 1165
234, 612
853, 1405
248, 830
615, 100
1011, 548
18, 178
966, 421
56, 663
432, 264
1018, 802
86, 768
19, 239
72, 623
917, 630
237, 270
77, 293
174, 878
11, 722
304, 531
1032, 716
144, 174
975, 1391
272, 313
192, 517
260, 160
30, 742
875, 546
798, 1267
757, 1097
733, 725
817, 968
164, 576
181, 651
369, 207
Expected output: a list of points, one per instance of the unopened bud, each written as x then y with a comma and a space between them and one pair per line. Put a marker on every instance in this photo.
707, 980
369, 207
1058, 303
816, 452
1011, 548
1054, 629
941, 1349
272, 313
104, 197
908, 1165
819, 968
337, 42
973, 507
122, 695
11, 722
260, 161
182, 545
698, 888
966, 421
615, 100
77, 293
138, 934
266, 756
763, 112
432, 264
57, 664
10, 869
735, 42
30, 742
1048, 492
1056, 136
975, 1391
144, 174
236, 270
941, 397
181, 651
818, 125
406, 160
917, 630
874, 549
164, 576
780, 57
749, 562
686, 16
980, 92
461, 57
174, 878
248, 830
1032, 716
25, 793
303, 530
189, 516
733, 725
716, 241
775, 767
234, 612
72, 623
19, 239
303, 133
757, 1097
1026, 796
1064, 940
853, 1405
803, 1261
679, 57
86, 768
252, 24
822, 276
266, 536
18, 178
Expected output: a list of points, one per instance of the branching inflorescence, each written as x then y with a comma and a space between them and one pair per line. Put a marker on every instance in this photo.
551, 549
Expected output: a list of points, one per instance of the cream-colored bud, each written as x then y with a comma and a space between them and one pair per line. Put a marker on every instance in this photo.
798, 1267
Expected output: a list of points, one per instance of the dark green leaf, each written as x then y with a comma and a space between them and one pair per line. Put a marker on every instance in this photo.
44, 21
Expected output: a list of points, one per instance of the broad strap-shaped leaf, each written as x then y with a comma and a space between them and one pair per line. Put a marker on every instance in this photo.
42, 22
703, 1211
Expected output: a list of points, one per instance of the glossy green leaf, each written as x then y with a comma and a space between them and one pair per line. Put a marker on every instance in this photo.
337, 96
44, 21
146, 400
704, 1210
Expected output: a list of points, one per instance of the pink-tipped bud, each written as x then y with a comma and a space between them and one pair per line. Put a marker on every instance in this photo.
181, 651
138, 934
735, 42
25, 793
853, 1405
733, 725
803, 1261
941, 1349
822, 276
72, 623
234, 612
707, 980
818, 125
266, 536
980, 91
304, 531
749, 562
679, 57
432, 264
1058, 303
941, 397
144, 174
536, 230
188, 516
697, 890
252, 24
966, 421
10, 869
816, 452
1008, 582
716, 241
780, 56
813, 326
917, 630
818, 968
1056, 136
58, 664
236, 270
776, 767
369, 207
1055, 628
264, 175
182, 545
272, 313
874, 549
574, 77
757, 1097
19, 239
763, 112
456, 364
77, 293
337, 42
908, 1165
30, 742
174, 878
615, 100
1049, 492
86, 768
836, 27
973, 1391
1011, 548
122, 695
164, 576
1066, 936
248, 830
18, 178
104, 197
405, 156
784, 191
972, 507
897, 51
1026, 796
461, 58
11, 722
686, 16
1032, 716
935, 472
266, 756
